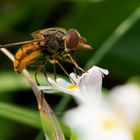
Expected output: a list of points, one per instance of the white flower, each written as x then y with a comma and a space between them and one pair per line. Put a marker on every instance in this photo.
99, 118
79, 85
126, 100
111, 119
96, 117
97, 122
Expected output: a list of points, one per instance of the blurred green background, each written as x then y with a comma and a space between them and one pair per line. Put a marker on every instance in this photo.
112, 27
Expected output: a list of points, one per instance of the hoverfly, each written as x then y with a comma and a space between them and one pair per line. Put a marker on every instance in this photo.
48, 44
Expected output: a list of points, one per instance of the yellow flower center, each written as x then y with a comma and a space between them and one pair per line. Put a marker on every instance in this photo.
72, 86
109, 123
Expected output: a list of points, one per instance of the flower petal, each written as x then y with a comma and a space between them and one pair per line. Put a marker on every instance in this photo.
48, 89
62, 82
61, 85
88, 123
90, 83
74, 78
126, 99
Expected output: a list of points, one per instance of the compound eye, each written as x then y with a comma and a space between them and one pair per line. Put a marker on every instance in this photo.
72, 40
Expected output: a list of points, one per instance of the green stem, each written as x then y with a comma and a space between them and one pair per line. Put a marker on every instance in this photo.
114, 37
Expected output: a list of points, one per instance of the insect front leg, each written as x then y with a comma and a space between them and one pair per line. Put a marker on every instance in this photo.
54, 61
68, 58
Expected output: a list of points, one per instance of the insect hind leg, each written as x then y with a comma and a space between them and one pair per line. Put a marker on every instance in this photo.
39, 69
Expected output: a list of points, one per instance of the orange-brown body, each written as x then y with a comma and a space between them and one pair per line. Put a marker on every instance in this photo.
25, 56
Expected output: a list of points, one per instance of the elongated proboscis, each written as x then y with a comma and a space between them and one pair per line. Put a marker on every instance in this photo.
15, 44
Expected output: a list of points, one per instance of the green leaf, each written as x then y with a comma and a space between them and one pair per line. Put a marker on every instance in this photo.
20, 114
13, 81
50, 124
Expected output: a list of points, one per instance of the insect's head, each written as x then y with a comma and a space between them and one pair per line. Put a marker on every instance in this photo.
74, 41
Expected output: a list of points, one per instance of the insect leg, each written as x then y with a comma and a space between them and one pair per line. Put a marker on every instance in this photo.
54, 70
67, 57
33, 63
39, 69
56, 62
76, 74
